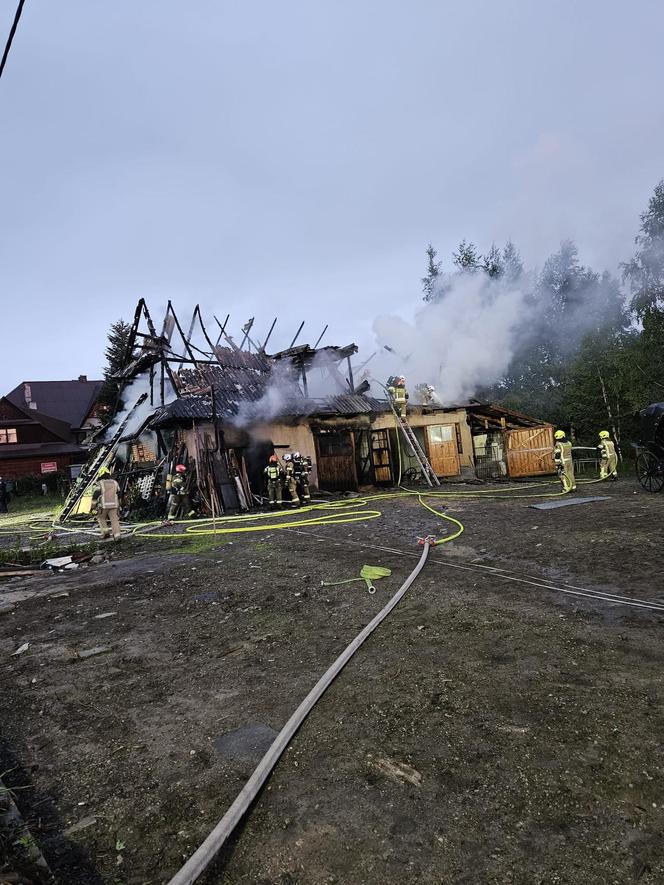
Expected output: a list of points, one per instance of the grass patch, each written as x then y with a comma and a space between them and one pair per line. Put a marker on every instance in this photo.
37, 504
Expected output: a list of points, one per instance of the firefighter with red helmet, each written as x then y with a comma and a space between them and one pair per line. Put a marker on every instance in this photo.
275, 477
179, 503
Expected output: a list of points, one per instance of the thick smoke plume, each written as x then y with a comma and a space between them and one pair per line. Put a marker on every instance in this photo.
476, 327
462, 341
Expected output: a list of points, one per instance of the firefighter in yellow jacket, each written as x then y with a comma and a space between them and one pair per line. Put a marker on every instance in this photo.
275, 476
399, 394
290, 483
562, 456
179, 502
608, 458
106, 494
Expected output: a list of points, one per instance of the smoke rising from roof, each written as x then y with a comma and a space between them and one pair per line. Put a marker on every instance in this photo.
462, 341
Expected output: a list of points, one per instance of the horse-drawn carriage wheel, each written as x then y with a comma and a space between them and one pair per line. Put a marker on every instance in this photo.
650, 471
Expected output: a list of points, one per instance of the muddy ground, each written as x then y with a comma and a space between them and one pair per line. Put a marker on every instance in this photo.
490, 731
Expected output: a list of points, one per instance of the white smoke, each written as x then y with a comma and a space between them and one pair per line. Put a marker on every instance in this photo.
285, 392
280, 393
459, 343
130, 396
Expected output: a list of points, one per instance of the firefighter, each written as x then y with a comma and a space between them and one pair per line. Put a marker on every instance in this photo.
399, 394
275, 477
290, 483
179, 502
301, 468
562, 456
608, 464
106, 495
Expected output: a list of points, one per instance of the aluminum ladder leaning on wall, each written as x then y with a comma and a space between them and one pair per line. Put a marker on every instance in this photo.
409, 435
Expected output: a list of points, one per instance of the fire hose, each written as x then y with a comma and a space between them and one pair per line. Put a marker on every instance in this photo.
208, 850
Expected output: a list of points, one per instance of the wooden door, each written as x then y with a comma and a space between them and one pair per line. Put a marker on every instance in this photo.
443, 450
336, 461
381, 456
530, 451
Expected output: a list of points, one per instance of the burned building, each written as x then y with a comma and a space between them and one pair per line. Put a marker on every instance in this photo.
222, 407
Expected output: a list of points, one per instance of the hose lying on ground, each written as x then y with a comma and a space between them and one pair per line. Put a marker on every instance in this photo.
205, 854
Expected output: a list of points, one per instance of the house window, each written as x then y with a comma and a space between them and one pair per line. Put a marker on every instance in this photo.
8, 435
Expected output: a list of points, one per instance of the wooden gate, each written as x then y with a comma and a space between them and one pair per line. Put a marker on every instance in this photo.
335, 461
443, 451
530, 451
381, 457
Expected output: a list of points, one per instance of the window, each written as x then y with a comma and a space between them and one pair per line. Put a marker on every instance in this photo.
334, 445
8, 435
440, 433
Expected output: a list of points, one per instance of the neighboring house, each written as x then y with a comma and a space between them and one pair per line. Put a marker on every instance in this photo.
74, 402
32, 443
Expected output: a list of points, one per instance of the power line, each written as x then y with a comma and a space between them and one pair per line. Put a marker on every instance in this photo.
19, 10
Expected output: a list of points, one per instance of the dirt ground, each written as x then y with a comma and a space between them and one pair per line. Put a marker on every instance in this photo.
490, 731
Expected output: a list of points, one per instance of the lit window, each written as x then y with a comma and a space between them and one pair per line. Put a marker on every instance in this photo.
8, 435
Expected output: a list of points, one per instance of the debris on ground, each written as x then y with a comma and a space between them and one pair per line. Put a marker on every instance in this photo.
567, 502
399, 772
92, 652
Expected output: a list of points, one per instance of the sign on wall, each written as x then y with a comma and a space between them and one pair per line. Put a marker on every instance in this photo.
49, 466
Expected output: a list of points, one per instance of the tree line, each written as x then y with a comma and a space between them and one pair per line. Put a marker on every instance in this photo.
589, 347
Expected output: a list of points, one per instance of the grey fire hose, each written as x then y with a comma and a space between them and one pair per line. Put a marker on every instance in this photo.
205, 854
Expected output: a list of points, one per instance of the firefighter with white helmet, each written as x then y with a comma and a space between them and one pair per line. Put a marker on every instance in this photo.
106, 494
290, 483
301, 468
608, 457
562, 456
274, 475
398, 394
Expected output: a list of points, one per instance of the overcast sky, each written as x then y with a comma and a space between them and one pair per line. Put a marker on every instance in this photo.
296, 158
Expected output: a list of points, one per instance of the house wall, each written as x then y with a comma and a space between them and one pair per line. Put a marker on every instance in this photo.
15, 468
289, 438
386, 421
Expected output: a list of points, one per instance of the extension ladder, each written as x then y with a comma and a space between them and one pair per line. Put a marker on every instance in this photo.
409, 435
102, 458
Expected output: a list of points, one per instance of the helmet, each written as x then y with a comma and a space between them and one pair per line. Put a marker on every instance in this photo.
180, 468
296, 456
401, 379
559, 434
287, 456
604, 434
273, 458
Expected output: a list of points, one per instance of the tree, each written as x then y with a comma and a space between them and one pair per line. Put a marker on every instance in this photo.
433, 272
116, 359
492, 263
467, 258
645, 272
512, 264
